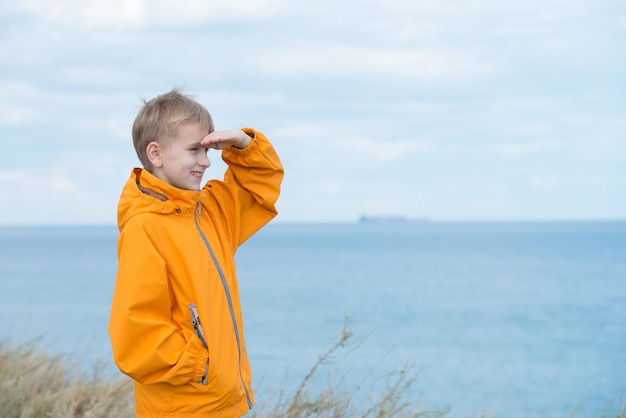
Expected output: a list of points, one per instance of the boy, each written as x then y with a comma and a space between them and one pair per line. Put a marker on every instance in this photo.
176, 326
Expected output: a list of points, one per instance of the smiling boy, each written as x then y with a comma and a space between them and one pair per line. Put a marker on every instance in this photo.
176, 326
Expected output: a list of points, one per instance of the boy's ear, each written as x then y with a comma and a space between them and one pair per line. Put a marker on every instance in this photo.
154, 154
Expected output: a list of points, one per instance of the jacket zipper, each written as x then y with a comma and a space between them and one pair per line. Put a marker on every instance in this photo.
228, 297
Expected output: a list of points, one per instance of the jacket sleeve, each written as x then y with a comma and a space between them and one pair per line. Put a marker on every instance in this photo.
147, 345
250, 188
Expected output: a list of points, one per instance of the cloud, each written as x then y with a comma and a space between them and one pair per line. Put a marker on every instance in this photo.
53, 195
524, 149
451, 109
545, 182
18, 103
351, 144
28, 105
386, 150
34, 181
123, 14
346, 60
12, 114
583, 182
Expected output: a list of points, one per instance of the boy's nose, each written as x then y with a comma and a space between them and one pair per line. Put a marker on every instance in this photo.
204, 160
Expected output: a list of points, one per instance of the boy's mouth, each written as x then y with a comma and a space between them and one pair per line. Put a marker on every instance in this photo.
197, 174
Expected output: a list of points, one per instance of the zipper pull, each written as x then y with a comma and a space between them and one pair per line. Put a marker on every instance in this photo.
199, 205
197, 326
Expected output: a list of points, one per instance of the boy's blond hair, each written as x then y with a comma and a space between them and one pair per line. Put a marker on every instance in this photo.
160, 119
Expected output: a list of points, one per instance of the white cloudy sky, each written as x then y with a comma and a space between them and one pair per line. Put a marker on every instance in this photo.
451, 109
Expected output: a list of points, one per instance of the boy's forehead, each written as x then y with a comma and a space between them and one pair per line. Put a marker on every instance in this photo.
191, 131
193, 128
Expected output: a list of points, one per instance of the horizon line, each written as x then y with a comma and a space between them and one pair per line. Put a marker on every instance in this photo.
358, 221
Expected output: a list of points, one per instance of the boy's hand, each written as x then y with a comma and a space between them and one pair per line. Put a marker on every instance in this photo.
224, 139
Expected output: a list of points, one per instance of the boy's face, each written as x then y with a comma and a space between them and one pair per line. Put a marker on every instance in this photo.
182, 161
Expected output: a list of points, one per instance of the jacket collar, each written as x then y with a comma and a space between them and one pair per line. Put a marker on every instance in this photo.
145, 193
154, 187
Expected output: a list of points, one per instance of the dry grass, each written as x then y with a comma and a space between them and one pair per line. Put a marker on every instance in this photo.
338, 401
34, 384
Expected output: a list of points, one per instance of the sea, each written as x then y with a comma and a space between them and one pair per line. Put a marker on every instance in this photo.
497, 319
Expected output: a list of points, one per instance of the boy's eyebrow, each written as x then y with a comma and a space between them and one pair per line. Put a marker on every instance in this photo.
198, 144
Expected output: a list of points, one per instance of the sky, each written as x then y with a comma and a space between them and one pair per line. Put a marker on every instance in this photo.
453, 110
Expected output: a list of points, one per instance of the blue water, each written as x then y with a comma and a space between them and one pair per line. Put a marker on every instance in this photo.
507, 319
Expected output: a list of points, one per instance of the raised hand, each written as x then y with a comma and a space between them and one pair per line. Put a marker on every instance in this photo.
224, 139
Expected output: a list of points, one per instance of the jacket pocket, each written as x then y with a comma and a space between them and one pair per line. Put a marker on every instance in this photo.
197, 327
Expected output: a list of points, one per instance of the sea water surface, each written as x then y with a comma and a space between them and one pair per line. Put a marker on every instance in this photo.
499, 319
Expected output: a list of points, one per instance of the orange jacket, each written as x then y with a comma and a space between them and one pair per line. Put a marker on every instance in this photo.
176, 248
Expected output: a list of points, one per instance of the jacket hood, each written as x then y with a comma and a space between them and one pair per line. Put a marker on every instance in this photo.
145, 193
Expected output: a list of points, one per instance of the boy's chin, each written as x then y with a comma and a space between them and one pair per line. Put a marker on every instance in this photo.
190, 187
